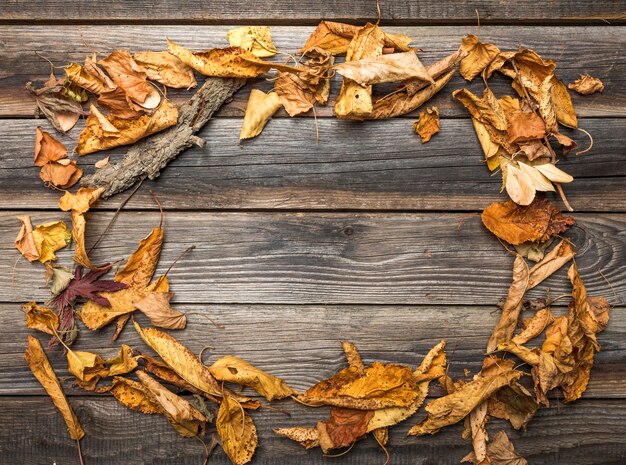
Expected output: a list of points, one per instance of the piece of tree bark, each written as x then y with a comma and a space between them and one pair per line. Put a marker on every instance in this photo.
149, 156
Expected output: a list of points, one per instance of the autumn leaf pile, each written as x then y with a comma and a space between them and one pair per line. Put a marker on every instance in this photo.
516, 135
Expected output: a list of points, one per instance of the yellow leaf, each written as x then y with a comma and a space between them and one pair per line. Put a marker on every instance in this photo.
306, 437
587, 85
41, 368
226, 62
235, 370
563, 106
236, 430
156, 306
255, 39
428, 124
479, 55
50, 237
486, 109
261, 107
123, 363
85, 366
86, 78
140, 267
132, 394
99, 135
384, 68
41, 318
167, 69
553, 173
96, 316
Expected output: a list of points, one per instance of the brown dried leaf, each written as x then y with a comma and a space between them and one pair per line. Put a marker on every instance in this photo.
60, 110
514, 403
235, 370
226, 62
524, 126
236, 430
555, 259
61, 175
141, 265
165, 68
479, 55
343, 428
260, 108
534, 326
89, 77
102, 133
131, 78
384, 68
428, 124
156, 306
41, 368
306, 437
515, 224
500, 451
119, 104
587, 85
486, 109
47, 148
41, 318
132, 394
563, 106
25, 242
255, 39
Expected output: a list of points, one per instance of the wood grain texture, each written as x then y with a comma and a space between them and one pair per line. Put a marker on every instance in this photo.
298, 258
377, 165
292, 11
588, 432
301, 343
598, 51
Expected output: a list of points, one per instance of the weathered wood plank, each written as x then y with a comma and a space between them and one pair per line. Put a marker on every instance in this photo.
585, 433
302, 343
290, 11
594, 50
299, 258
377, 165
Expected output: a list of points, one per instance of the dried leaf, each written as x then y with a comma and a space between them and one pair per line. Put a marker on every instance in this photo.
89, 77
486, 109
519, 185
59, 277
514, 403
133, 395
41, 368
120, 105
141, 265
156, 306
79, 204
50, 237
61, 175
555, 259
428, 124
524, 126
25, 242
479, 55
98, 136
306, 437
131, 78
540, 182
343, 428
384, 68
122, 363
534, 326
226, 62
47, 148
261, 107
490, 148
553, 173
255, 39
563, 106
60, 110
236, 430
165, 68
41, 318
478, 419
515, 224
500, 451
587, 85
87, 367
235, 370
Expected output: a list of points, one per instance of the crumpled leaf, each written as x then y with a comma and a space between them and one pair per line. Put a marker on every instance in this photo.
355, 101
477, 420
513, 403
132, 394
335, 38
87, 286
165, 68
534, 326
384, 68
90, 77
255, 39
523, 126
156, 306
236, 430
141, 265
62, 174
344, 427
515, 224
40, 318
60, 110
25, 242
131, 78
47, 148
587, 85
486, 109
184, 417
500, 451
555, 259
120, 105
260, 108
58, 277
226, 62
123, 362
102, 133
50, 237
79, 204
428, 124
163, 371
41, 368
479, 55
87, 367
235, 370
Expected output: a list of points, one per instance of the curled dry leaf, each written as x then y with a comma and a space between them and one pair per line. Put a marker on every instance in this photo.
226, 62
132, 394
141, 265
479, 56
79, 204
534, 326
384, 68
156, 306
123, 362
102, 133
554, 260
524, 126
42, 242
61, 175
513, 403
255, 39
47, 148
41, 368
165, 68
343, 428
587, 85
62, 112
87, 367
306, 437
428, 124
119, 104
565, 113
131, 78
260, 108
516, 224
478, 419
235, 370
236, 430
41, 318
500, 451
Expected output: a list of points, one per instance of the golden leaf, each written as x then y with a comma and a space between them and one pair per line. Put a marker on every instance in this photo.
86, 366
563, 106
41, 318
165, 68
255, 39
47, 148
156, 306
50, 237
119, 105
524, 126
235, 370
140, 267
89, 77
486, 109
132, 394
113, 132
489, 147
306, 437
122, 363
41, 368
479, 55
384, 68
260, 108
534, 326
428, 124
226, 62
587, 85
236, 430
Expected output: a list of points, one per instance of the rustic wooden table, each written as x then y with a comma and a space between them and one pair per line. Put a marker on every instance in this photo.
301, 245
